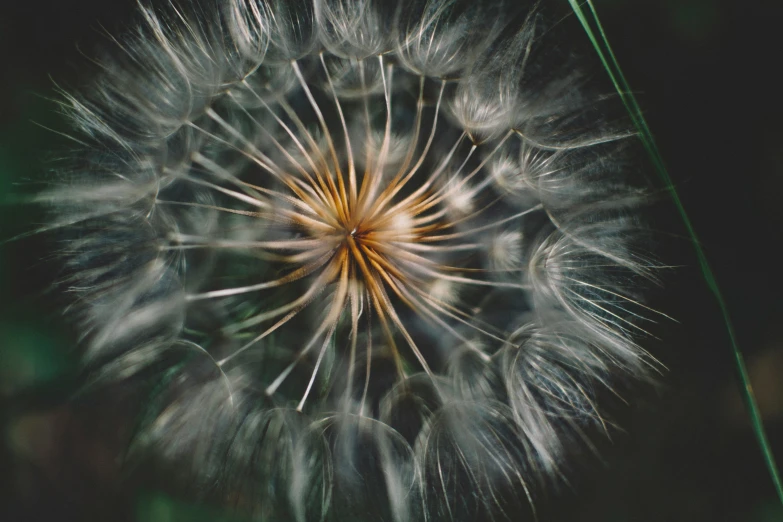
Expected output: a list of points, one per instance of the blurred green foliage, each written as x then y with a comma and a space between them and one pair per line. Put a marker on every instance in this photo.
30, 357
32, 351
156, 507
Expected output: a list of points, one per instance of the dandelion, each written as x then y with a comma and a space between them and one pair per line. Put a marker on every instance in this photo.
380, 260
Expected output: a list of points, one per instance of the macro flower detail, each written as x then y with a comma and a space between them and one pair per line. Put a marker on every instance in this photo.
379, 261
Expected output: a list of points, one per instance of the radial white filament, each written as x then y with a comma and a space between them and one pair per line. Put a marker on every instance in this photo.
377, 232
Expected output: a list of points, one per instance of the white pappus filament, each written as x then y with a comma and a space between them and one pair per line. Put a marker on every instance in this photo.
380, 257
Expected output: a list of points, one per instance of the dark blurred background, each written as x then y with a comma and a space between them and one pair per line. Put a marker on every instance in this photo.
707, 76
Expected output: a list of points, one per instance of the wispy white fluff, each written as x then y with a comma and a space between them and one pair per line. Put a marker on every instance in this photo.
382, 261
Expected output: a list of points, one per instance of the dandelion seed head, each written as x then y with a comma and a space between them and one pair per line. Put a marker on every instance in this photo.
385, 252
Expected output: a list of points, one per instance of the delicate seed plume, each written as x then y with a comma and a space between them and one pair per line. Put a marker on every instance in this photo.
380, 259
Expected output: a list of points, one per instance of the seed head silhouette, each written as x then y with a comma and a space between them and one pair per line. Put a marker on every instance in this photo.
380, 259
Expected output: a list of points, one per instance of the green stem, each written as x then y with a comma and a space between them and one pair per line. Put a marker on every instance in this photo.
604, 50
